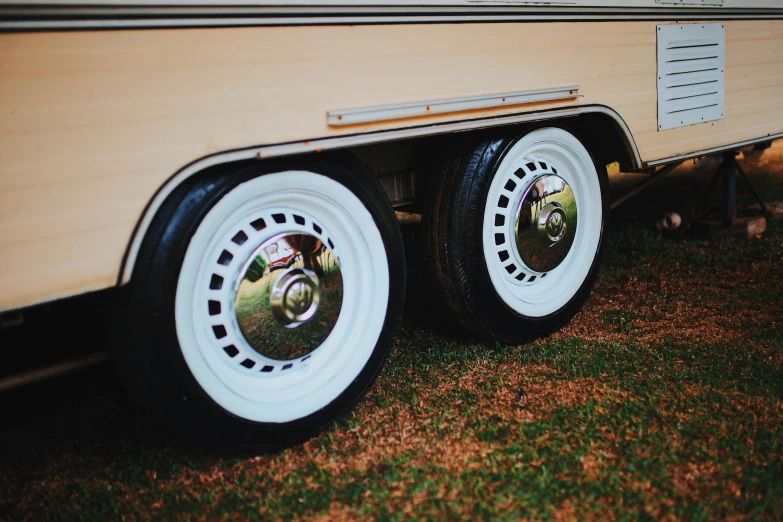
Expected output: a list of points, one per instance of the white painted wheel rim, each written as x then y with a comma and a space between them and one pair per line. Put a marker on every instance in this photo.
307, 385
537, 294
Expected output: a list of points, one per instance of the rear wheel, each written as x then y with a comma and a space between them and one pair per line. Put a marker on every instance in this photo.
263, 304
515, 233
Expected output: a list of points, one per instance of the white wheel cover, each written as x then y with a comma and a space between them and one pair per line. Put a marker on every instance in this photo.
572, 162
300, 388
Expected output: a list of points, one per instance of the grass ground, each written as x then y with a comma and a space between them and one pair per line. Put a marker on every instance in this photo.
663, 399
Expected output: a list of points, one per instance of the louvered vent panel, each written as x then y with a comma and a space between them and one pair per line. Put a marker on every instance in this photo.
691, 61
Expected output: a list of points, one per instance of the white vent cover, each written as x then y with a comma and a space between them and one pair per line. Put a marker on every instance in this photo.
691, 61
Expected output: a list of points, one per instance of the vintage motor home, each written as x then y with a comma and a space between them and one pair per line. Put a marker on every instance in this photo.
236, 167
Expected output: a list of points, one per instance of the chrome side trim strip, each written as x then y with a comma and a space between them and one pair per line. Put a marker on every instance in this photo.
341, 142
707, 152
467, 103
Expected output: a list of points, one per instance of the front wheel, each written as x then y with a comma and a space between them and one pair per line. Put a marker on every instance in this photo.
516, 227
264, 303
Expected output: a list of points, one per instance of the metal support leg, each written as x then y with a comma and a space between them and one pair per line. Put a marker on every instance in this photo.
728, 169
644, 184
727, 222
711, 185
752, 191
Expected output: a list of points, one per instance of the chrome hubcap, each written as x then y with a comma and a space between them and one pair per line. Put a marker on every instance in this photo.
289, 296
546, 222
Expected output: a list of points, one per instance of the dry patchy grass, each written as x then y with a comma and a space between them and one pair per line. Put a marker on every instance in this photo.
662, 399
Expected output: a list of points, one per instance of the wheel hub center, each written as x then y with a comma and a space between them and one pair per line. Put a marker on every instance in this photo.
289, 296
295, 297
554, 221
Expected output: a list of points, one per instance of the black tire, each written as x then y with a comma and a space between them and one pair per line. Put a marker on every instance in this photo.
454, 223
149, 354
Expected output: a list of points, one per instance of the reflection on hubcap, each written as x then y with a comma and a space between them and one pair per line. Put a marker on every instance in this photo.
546, 223
295, 297
289, 296
552, 221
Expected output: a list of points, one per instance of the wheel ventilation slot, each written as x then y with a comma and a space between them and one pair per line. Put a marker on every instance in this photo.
691, 65
216, 283
239, 238
220, 331
225, 258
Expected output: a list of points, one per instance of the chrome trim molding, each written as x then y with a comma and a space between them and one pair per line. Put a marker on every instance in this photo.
50, 18
467, 103
341, 142
707, 152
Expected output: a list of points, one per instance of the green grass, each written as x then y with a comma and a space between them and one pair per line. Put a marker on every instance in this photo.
663, 399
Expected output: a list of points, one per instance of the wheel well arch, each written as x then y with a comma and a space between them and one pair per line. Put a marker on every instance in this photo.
603, 130
606, 140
